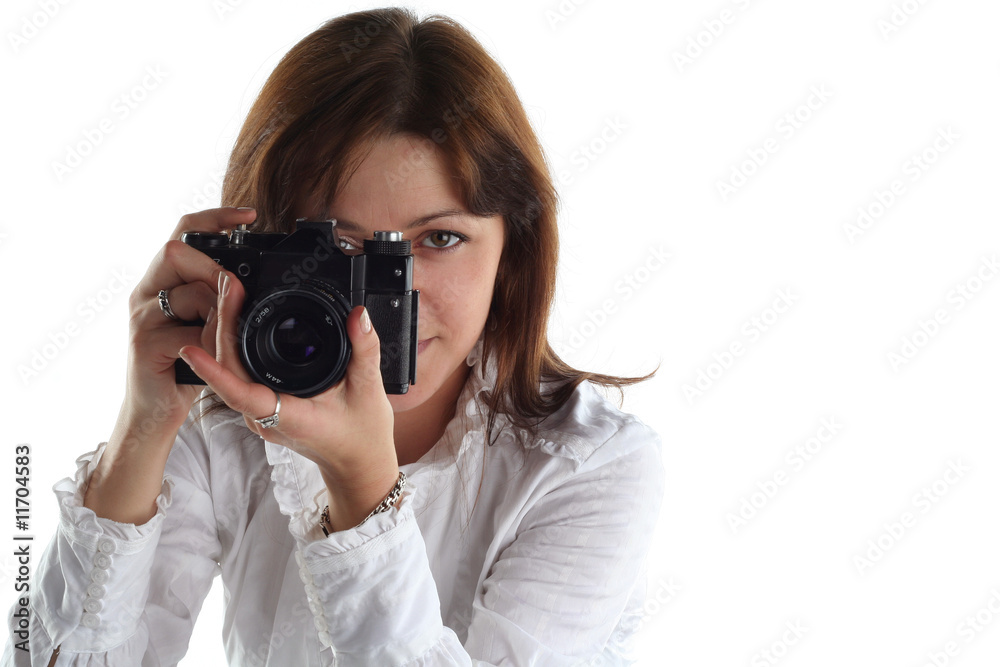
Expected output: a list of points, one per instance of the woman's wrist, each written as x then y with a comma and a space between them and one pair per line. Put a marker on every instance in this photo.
351, 506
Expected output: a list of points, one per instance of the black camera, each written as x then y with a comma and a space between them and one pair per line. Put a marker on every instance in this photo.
300, 288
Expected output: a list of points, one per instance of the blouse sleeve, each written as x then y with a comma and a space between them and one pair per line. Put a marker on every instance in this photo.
109, 593
555, 596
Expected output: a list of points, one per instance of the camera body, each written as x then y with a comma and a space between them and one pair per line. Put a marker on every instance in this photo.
300, 288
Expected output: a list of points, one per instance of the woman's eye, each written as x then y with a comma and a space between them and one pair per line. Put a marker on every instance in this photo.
347, 243
442, 239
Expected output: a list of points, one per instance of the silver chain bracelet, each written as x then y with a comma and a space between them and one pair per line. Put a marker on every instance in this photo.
384, 506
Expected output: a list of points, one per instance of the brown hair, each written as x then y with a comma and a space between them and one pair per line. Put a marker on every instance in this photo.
372, 74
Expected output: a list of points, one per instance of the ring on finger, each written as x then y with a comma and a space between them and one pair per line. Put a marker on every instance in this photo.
272, 421
165, 305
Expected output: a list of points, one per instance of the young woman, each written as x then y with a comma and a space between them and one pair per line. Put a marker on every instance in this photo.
499, 513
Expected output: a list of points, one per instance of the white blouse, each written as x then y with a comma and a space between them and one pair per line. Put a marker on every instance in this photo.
525, 553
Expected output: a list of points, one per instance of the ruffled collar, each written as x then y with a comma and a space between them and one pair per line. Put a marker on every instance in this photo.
466, 432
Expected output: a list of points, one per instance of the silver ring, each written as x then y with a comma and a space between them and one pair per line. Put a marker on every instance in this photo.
272, 421
165, 305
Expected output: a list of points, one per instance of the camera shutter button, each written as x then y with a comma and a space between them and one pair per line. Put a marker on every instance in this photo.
236, 238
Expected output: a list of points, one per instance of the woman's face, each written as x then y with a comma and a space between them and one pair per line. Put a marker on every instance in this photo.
404, 185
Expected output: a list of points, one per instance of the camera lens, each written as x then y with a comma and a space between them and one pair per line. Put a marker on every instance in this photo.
294, 340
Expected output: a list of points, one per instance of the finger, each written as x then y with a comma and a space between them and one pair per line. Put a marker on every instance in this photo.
213, 220
177, 263
189, 302
160, 347
244, 397
363, 372
230, 306
208, 332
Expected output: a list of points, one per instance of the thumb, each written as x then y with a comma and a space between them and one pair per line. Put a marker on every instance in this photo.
363, 370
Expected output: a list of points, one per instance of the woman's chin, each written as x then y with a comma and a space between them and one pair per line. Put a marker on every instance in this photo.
404, 402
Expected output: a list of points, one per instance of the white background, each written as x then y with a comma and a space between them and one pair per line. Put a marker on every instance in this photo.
721, 591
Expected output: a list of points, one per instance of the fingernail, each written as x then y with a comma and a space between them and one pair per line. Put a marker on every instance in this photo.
225, 285
245, 208
366, 323
218, 286
183, 356
211, 316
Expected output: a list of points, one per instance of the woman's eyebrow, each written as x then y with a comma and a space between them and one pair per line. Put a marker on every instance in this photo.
348, 226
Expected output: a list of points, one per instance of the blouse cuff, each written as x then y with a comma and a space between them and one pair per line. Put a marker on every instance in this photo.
93, 579
83, 526
377, 575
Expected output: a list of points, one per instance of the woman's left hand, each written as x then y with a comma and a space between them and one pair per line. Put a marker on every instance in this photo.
347, 430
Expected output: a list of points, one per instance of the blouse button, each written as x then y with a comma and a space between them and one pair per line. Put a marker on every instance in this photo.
92, 605
320, 624
106, 546
311, 591
90, 621
99, 576
102, 561
95, 591
325, 639
315, 608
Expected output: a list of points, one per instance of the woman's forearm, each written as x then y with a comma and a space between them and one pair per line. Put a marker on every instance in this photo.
129, 475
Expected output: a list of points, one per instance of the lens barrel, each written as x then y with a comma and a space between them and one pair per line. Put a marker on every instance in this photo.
295, 341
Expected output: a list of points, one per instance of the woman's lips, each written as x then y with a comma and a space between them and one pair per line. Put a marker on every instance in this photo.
422, 345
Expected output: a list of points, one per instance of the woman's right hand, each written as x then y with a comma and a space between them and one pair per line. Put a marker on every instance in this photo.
128, 478
154, 402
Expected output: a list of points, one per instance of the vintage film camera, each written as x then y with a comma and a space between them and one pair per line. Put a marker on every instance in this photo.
300, 287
